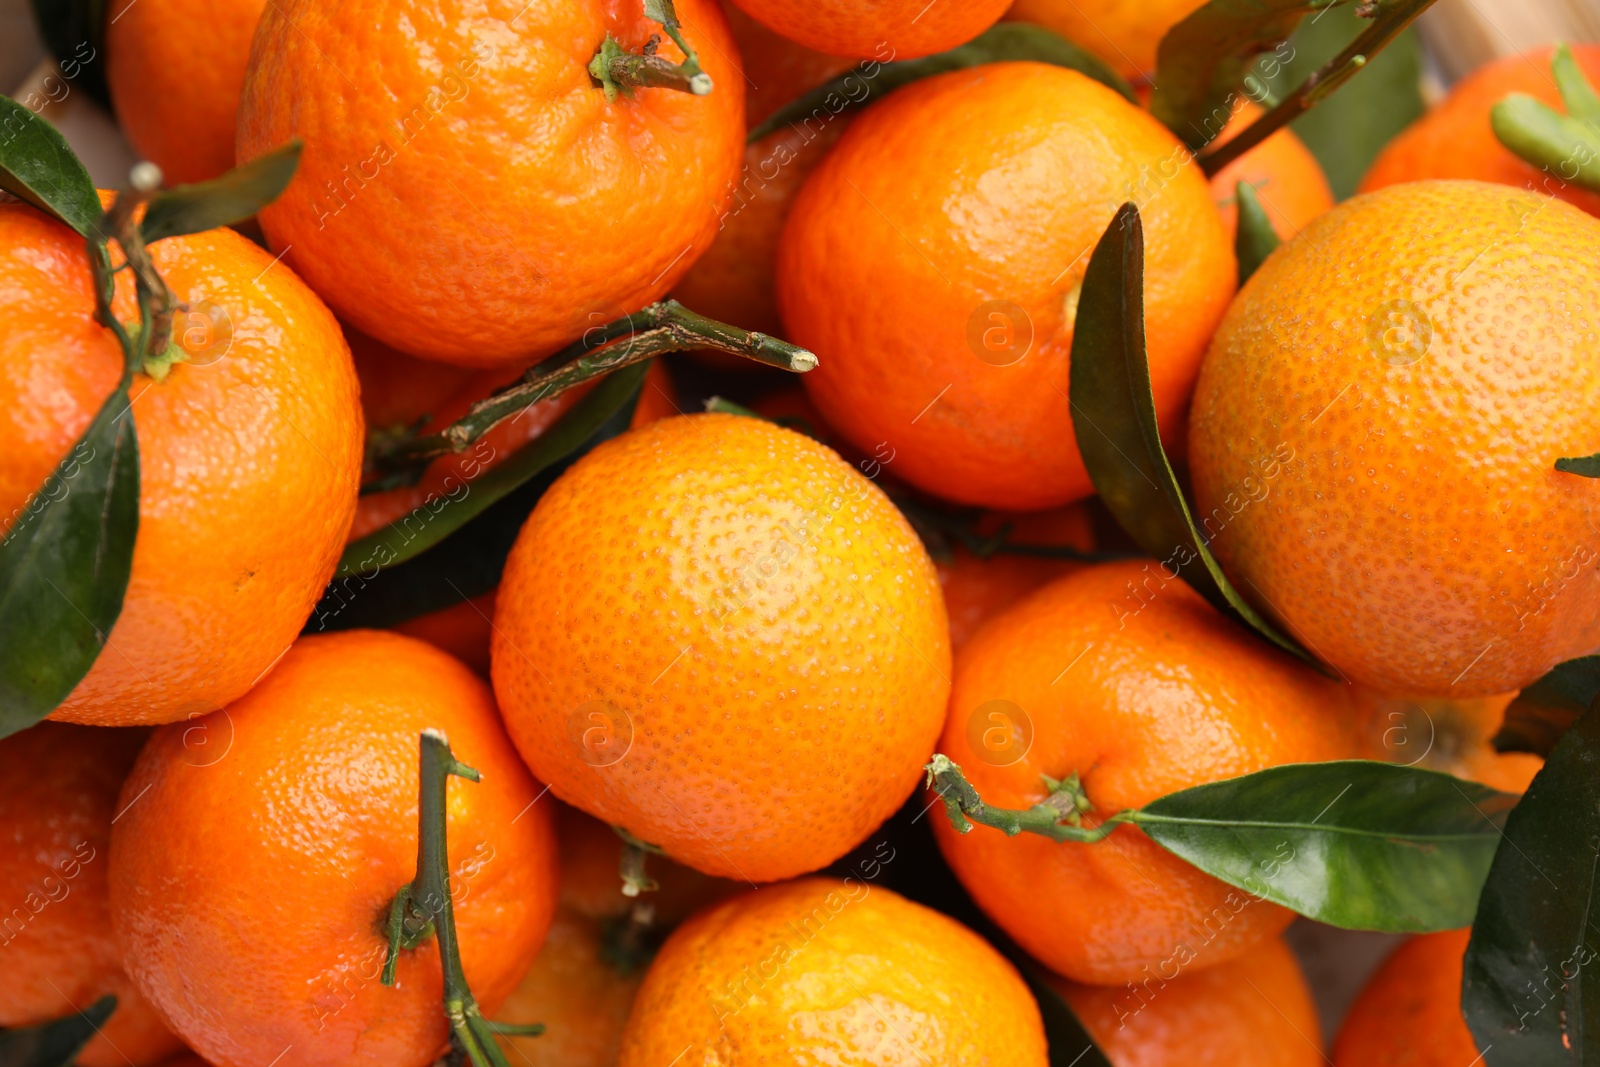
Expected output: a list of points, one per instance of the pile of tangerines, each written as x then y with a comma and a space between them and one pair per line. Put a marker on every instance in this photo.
1083, 498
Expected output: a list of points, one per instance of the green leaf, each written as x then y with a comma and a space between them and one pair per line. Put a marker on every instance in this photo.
1576, 92
1114, 420
1204, 61
74, 32
57, 1043
1529, 988
1005, 41
1347, 129
374, 593
1255, 239
64, 567
1545, 710
1352, 843
432, 523
1557, 143
38, 167
235, 196
1587, 466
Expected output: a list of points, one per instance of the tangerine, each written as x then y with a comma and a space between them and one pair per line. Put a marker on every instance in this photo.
251, 883
249, 456
1409, 1014
1286, 177
884, 30
934, 259
1122, 675
1374, 436
1123, 33
58, 799
837, 972
698, 618
1455, 139
491, 204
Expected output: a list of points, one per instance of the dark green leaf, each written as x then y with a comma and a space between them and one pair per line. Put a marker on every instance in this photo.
1256, 239
1352, 843
1203, 66
1588, 466
1114, 420
1545, 710
1005, 41
1347, 129
234, 197
37, 166
74, 31
55, 1044
1529, 990
379, 594
64, 568
433, 522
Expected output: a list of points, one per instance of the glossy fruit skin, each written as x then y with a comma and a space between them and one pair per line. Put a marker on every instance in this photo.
58, 795
1255, 1011
251, 451
1286, 177
836, 972
1124, 33
177, 98
453, 217
1455, 139
700, 617
948, 218
1131, 680
258, 874
1409, 1015
883, 30
1394, 503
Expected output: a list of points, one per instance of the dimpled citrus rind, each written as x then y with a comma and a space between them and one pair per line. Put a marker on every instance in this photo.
715, 633
934, 258
1123, 675
261, 846
824, 971
1375, 430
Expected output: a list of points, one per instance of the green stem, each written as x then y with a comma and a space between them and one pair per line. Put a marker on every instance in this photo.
1564, 146
1391, 18
618, 71
1057, 818
660, 328
631, 865
149, 348
423, 906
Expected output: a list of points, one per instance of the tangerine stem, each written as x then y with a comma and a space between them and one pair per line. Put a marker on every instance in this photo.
424, 904
1564, 146
1391, 18
146, 349
664, 327
1055, 818
631, 865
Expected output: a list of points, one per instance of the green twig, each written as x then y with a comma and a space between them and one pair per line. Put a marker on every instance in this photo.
1392, 16
1059, 817
620, 72
631, 866
660, 328
423, 908
147, 349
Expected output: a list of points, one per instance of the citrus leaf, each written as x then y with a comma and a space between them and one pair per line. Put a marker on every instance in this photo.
74, 32
1529, 991
234, 197
1114, 420
1347, 129
1003, 42
56, 1043
1202, 63
1546, 709
376, 593
1587, 466
64, 567
38, 167
1576, 93
1352, 843
431, 523
1256, 239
